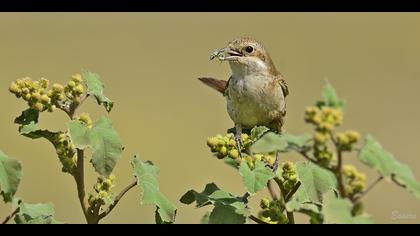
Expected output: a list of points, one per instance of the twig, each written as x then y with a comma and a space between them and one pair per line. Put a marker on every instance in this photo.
371, 186
305, 155
79, 177
9, 217
257, 220
117, 199
292, 192
271, 190
339, 174
290, 215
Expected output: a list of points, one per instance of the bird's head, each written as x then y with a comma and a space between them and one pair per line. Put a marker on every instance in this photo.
246, 55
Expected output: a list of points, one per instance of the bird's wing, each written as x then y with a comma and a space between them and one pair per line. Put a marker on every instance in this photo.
218, 85
284, 87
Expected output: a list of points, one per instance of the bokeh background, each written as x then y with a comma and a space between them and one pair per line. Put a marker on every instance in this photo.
150, 62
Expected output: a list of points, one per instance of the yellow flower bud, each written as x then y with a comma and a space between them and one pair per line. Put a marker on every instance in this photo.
112, 177
79, 89
36, 96
77, 78
57, 88
223, 151
103, 194
233, 154
317, 119
212, 142
85, 118
353, 136
265, 203
342, 139
321, 137
14, 88
71, 84
27, 97
44, 83
38, 106
52, 108
45, 99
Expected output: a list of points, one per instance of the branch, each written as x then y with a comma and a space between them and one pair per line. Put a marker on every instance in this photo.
257, 220
79, 177
271, 190
9, 217
117, 199
339, 174
290, 215
371, 186
292, 192
304, 154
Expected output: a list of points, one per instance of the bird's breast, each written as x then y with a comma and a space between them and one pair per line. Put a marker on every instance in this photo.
254, 100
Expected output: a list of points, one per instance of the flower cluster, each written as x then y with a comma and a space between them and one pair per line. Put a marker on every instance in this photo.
225, 146
345, 141
324, 119
65, 151
40, 97
103, 189
272, 212
75, 89
355, 182
289, 174
85, 119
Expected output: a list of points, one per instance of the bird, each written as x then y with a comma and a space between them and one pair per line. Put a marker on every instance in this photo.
255, 92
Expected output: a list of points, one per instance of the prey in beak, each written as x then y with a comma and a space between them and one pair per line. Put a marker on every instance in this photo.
225, 54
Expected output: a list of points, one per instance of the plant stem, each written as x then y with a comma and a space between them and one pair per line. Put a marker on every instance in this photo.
117, 199
339, 174
292, 192
79, 177
257, 220
9, 217
290, 215
271, 190
371, 186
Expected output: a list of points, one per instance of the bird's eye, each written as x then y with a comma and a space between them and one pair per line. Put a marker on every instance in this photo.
249, 49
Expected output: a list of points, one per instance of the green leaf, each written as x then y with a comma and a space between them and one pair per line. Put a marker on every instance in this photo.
102, 138
338, 211
269, 142
10, 176
147, 174
257, 132
257, 178
225, 214
227, 207
28, 122
297, 143
376, 157
315, 181
96, 88
330, 97
35, 214
206, 218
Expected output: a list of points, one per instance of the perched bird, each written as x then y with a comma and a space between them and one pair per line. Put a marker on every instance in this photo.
255, 92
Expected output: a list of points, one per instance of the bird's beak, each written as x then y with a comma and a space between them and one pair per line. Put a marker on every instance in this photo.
225, 54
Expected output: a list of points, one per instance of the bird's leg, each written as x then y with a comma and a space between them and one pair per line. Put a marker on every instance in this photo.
238, 138
276, 162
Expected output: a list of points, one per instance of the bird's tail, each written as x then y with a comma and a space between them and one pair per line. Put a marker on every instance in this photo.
218, 85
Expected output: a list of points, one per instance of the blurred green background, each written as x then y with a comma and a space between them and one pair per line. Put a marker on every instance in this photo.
150, 62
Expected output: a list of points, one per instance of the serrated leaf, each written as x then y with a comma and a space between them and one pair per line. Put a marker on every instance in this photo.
96, 88
315, 181
35, 214
376, 157
269, 142
10, 176
257, 178
338, 211
28, 122
102, 138
330, 97
147, 174
225, 214
297, 143
257, 132
224, 204
206, 218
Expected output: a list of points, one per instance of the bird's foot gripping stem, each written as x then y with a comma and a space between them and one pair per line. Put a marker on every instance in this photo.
239, 143
276, 162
